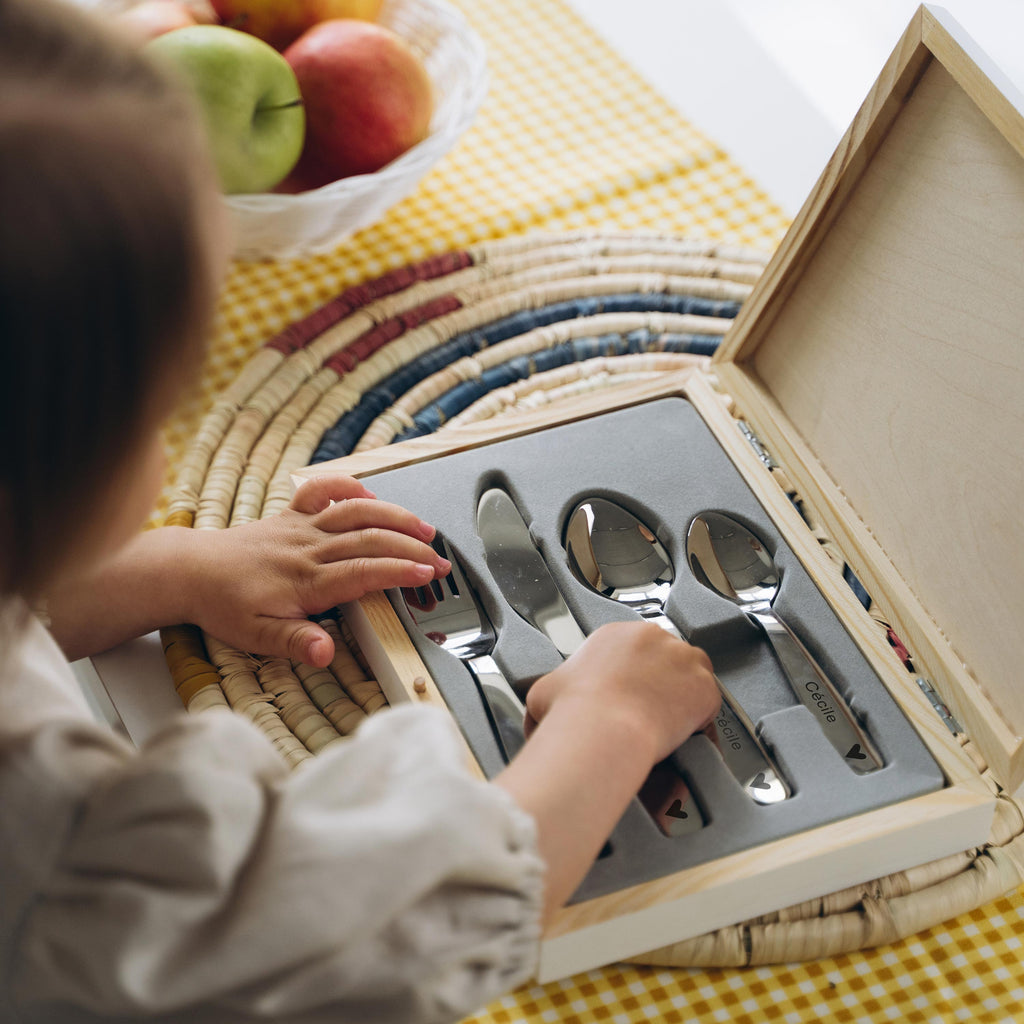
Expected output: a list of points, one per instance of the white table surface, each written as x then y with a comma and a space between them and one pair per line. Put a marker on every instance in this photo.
775, 82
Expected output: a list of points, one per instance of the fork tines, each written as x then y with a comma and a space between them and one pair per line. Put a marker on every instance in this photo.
441, 548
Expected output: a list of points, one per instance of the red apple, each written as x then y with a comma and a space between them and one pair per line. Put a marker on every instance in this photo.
368, 99
153, 18
281, 22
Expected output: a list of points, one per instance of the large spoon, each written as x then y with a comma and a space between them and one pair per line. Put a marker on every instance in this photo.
730, 560
615, 554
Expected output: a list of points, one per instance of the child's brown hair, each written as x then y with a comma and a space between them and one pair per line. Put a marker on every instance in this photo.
105, 278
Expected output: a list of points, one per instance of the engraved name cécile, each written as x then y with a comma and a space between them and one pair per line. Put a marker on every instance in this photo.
825, 709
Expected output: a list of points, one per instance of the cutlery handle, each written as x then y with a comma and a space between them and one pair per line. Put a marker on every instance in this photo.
668, 800
819, 695
737, 742
504, 708
744, 754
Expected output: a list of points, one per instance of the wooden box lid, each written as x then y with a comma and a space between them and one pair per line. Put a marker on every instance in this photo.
881, 359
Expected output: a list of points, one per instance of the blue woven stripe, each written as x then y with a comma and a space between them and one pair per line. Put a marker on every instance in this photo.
345, 434
431, 417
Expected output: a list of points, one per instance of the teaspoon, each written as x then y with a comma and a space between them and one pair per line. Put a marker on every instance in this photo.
730, 560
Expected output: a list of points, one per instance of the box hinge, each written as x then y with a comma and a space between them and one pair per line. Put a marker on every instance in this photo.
757, 444
936, 701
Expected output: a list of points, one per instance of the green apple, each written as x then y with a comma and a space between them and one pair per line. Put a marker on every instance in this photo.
249, 98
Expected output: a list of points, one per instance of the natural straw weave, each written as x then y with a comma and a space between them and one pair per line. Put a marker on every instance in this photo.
454, 340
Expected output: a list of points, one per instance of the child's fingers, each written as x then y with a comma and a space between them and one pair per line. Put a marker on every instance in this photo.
317, 493
637, 666
298, 639
378, 542
350, 580
358, 514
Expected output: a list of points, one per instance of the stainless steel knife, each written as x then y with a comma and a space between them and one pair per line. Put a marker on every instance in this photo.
521, 573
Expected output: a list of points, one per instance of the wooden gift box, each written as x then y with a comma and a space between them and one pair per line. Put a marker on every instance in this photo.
880, 362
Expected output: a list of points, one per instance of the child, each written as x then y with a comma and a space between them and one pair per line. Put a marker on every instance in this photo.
197, 879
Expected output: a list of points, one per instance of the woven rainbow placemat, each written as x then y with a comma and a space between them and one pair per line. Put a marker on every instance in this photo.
570, 139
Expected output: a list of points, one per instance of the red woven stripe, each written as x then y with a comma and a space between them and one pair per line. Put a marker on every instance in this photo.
302, 332
348, 358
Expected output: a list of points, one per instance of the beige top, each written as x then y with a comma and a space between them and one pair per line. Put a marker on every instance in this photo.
198, 879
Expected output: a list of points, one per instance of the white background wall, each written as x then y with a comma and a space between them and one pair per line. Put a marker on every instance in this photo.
777, 82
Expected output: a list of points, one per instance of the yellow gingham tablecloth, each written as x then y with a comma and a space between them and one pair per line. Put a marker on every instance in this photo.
570, 137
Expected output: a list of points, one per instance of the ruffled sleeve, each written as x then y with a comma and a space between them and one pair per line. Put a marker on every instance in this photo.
202, 881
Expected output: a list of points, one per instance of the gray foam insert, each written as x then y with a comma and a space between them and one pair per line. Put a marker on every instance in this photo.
661, 462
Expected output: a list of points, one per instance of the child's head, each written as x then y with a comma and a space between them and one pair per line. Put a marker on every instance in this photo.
109, 251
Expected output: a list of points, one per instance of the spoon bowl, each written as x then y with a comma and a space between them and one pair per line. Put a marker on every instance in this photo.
730, 560
616, 555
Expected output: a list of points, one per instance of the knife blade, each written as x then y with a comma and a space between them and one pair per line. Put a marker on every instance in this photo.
521, 573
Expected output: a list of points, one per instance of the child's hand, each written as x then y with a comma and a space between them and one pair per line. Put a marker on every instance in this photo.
622, 703
640, 678
254, 585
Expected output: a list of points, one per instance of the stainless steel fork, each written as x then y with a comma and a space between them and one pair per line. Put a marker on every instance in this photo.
449, 613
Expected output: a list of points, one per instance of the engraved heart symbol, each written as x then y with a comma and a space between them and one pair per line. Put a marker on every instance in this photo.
760, 782
676, 810
856, 752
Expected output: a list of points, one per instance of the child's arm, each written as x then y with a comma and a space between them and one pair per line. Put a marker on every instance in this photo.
251, 586
380, 882
604, 718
